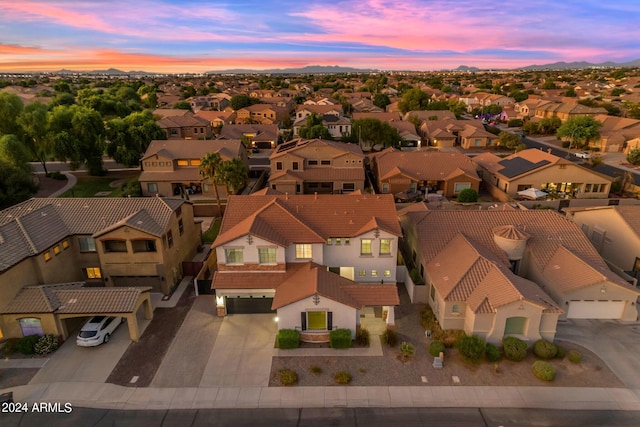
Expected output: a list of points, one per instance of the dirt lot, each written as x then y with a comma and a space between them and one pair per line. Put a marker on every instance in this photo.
390, 370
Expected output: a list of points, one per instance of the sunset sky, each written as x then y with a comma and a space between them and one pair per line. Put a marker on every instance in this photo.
195, 36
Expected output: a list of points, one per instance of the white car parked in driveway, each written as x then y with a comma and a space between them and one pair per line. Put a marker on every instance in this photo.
582, 155
98, 330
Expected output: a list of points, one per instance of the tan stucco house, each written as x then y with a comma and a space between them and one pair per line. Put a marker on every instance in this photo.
307, 166
431, 171
541, 170
172, 167
615, 233
509, 272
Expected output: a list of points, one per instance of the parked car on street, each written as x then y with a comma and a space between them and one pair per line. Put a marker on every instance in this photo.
98, 330
582, 155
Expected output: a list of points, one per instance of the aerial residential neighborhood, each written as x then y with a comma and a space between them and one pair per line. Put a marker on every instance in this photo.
324, 238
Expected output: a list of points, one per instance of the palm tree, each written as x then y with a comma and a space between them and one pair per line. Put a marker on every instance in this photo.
210, 169
234, 174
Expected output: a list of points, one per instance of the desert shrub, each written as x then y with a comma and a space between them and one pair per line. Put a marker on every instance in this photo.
471, 347
362, 337
288, 377
514, 123
342, 378
46, 344
450, 337
468, 195
11, 346
492, 352
562, 353
316, 369
543, 370
545, 349
407, 350
575, 356
428, 318
288, 338
514, 348
390, 338
435, 348
566, 144
340, 338
415, 277
57, 176
25, 344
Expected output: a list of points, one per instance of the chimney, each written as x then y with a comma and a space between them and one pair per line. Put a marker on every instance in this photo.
315, 195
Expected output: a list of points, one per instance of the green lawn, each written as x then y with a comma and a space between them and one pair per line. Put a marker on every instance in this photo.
88, 186
210, 235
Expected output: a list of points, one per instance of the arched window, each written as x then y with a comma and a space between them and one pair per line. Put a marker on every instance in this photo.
31, 326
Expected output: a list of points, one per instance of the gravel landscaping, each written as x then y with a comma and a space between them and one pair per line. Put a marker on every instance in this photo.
389, 369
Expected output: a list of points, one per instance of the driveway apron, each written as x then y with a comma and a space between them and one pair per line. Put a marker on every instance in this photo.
242, 353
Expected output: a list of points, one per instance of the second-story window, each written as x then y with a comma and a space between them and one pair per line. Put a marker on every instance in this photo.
312, 162
234, 255
304, 251
365, 247
325, 162
279, 166
169, 238
267, 255
294, 166
181, 227
87, 244
115, 245
143, 245
385, 246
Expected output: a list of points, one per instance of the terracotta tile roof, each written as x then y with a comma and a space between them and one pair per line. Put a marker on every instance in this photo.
424, 165
34, 225
261, 132
314, 217
171, 112
72, 298
182, 121
548, 231
194, 148
302, 280
321, 174
465, 271
425, 114
631, 215
298, 146
384, 117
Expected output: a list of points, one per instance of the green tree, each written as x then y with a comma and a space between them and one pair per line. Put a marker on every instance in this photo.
210, 169
634, 156
518, 95
457, 107
13, 151
77, 136
10, 108
549, 84
234, 174
570, 92
63, 98
633, 109
381, 100
580, 130
468, 195
34, 125
373, 132
313, 128
240, 101
182, 105
16, 184
509, 140
129, 138
413, 99
617, 91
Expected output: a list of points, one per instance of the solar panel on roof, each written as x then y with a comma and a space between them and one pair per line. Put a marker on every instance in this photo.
286, 146
518, 166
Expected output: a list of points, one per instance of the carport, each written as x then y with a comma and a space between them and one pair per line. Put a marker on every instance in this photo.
52, 309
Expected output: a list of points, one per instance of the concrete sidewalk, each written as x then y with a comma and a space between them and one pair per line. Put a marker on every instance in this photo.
100, 395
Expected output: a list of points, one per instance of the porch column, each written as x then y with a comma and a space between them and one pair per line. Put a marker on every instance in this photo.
391, 314
148, 309
221, 309
132, 323
357, 319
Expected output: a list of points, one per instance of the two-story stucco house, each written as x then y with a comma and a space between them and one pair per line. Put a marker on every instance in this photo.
113, 251
315, 260
306, 166
172, 167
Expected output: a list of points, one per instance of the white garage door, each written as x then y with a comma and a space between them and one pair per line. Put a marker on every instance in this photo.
595, 309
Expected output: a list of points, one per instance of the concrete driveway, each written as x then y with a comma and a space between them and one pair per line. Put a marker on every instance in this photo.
617, 344
71, 363
241, 355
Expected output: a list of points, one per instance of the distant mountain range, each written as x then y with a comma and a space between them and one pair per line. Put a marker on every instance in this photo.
336, 69
310, 69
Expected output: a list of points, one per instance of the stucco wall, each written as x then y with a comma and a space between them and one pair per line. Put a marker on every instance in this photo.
344, 317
